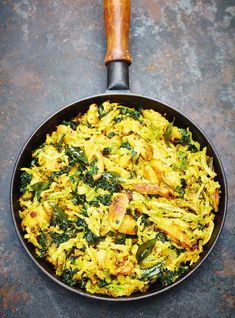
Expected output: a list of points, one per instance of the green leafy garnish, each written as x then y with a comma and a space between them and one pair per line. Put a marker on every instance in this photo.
111, 135
102, 283
145, 249
94, 169
131, 112
39, 187
68, 276
58, 173
186, 140
78, 198
60, 143
70, 123
152, 271
101, 111
169, 132
25, 179
126, 145
180, 191
42, 240
162, 237
59, 217
76, 155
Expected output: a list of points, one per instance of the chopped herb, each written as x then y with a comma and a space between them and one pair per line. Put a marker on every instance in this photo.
59, 217
117, 120
145, 220
167, 277
180, 191
81, 223
121, 238
83, 211
192, 148
106, 151
78, 198
185, 139
133, 153
74, 177
102, 283
88, 234
111, 233
70, 123
130, 112
91, 237
59, 238
25, 179
68, 276
60, 143
101, 111
162, 237
94, 169
105, 199
177, 250
169, 132
76, 155
58, 173
109, 181
126, 145
183, 160
94, 203
42, 240
87, 178
83, 282
201, 227
111, 134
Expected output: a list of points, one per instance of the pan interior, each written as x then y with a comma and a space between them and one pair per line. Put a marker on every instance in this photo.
71, 111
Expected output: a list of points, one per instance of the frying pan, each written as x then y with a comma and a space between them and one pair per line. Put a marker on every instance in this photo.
118, 59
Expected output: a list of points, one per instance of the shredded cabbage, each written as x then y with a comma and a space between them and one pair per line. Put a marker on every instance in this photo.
118, 199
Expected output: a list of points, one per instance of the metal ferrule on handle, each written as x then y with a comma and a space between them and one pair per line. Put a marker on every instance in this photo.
118, 58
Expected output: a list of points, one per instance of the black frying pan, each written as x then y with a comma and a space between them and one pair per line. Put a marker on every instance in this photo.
117, 21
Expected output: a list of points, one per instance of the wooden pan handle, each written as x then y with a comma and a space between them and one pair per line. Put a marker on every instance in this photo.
117, 25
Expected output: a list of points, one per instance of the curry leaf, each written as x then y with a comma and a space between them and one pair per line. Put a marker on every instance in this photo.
152, 271
39, 187
145, 249
75, 155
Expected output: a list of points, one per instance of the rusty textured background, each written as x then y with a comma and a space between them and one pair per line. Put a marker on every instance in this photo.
51, 54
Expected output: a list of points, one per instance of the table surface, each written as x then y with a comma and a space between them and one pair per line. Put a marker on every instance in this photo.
51, 54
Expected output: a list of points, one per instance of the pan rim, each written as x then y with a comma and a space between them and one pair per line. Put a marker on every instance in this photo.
123, 298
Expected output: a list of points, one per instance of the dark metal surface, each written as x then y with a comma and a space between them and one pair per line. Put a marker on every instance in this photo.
46, 54
118, 75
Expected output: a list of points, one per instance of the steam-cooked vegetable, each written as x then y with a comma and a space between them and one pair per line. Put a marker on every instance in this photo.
119, 198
